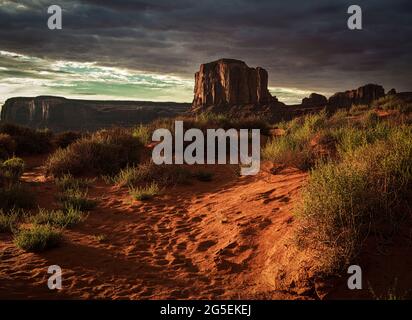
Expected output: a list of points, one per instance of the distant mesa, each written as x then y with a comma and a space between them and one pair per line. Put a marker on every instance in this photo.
391, 92
59, 114
363, 95
228, 83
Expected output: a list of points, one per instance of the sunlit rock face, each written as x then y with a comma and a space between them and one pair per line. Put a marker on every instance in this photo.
229, 82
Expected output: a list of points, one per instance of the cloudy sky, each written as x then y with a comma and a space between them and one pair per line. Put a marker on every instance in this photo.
150, 50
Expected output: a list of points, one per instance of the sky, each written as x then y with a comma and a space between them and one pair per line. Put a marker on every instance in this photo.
150, 50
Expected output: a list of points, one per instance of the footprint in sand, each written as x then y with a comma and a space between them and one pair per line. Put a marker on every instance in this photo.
204, 245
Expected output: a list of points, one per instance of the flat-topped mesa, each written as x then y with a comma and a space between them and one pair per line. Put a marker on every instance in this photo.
363, 95
59, 114
229, 82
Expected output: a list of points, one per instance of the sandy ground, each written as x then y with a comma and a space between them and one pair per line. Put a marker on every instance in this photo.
229, 238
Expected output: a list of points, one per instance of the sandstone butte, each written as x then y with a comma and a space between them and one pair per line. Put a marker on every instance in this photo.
229, 82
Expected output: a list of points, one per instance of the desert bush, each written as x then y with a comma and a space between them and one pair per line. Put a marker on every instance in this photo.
38, 238
298, 146
148, 172
11, 170
59, 218
67, 182
367, 190
78, 199
339, 118
143, 134
394, 102
28, 141
7, 146
289, 150
212, 120
8, 221
16, 196
358, 109
105, 152
64, 139
351, 137
144, 193
314, 122
369, 118
294, 148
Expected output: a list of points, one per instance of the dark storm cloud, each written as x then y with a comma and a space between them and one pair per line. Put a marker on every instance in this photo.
303, 44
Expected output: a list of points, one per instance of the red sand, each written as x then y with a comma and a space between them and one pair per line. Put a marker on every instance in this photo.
229, 238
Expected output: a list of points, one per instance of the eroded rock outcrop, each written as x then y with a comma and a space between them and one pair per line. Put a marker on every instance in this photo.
363, 95
228, 83
315, 100
58, 113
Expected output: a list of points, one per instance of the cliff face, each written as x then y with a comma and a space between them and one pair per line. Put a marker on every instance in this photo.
59, 114
229, 82
363, 95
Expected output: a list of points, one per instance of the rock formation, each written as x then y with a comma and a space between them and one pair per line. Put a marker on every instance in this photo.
391, 92
315, 100
58, 113
228, 82
363, 95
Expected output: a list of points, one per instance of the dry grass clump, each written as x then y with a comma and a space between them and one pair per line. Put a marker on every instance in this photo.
367, 190
104, 152
38, 238
67, 218
144, 193
12, 193
294, 147
163, 175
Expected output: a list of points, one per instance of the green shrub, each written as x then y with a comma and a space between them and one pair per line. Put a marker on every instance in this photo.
294, 147
105, 152
394, 102
59, 218
339, 118
64, 139
38, 238
76, 198
143, 134
8, 221
144, 193
149, 172
7, 146
367, 190
67, 182
290, 150
358, 109
11, 170
314, 122
350, 138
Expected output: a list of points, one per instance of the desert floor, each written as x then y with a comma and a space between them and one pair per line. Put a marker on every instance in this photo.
230, 238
